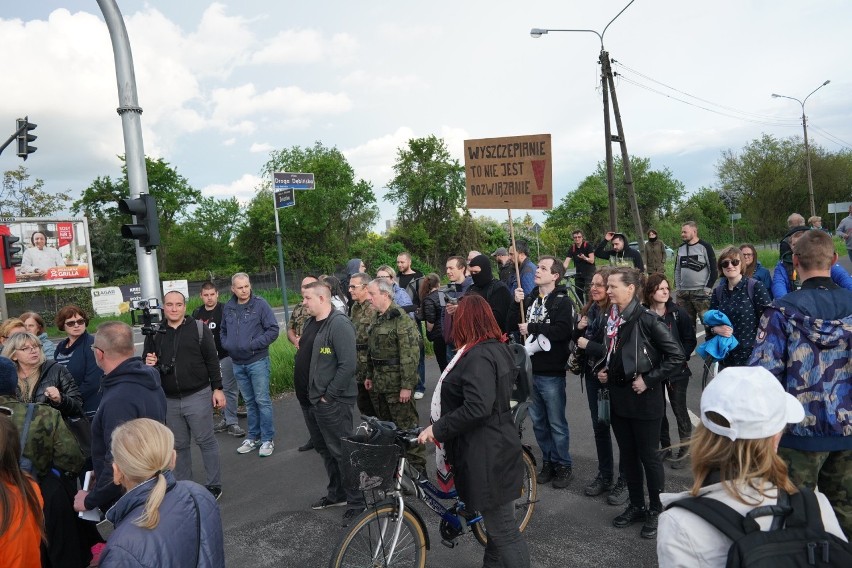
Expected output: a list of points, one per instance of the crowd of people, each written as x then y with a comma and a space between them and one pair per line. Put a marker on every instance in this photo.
88, 404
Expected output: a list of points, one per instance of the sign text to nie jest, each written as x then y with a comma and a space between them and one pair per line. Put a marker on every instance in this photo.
509, 173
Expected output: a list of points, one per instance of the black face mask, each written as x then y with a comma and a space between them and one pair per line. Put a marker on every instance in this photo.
652, 239
485, 274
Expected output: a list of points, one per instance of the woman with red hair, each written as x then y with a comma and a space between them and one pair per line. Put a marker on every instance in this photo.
472, 426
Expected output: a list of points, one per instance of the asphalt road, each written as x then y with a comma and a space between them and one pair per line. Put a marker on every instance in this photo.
268, 521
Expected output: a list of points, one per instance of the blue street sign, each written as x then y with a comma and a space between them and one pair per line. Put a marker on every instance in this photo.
284, 198
286, 180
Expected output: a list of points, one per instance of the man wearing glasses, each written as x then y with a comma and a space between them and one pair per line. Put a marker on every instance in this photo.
363, 316
131, 389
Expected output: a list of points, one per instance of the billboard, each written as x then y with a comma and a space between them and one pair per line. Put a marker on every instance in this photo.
55, 253
509, 173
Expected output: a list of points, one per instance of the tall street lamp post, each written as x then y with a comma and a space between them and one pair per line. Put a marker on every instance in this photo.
807, 148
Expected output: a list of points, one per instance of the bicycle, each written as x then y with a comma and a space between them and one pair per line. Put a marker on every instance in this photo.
390, 534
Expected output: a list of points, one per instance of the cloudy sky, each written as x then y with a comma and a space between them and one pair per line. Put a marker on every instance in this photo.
223, 83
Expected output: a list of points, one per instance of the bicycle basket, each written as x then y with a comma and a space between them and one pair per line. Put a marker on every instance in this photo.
367, 467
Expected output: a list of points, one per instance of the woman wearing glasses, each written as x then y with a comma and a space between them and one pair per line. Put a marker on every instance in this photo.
75, 353
42, 381
743, 301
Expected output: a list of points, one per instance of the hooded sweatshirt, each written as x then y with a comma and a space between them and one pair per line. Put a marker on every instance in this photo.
804, 341
552, 317
494, 291
132, 390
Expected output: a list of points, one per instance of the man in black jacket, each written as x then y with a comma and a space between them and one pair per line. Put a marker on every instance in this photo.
494, 291
620, 254
130, 390
549, 314
185, 354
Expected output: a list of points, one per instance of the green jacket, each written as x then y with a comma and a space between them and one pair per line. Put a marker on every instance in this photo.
393, 351
363, 315
49, 443
298, 317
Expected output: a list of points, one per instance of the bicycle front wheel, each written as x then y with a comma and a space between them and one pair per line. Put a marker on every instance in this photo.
370, 542
524, 504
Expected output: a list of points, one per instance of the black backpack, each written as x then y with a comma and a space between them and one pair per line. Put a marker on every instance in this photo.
796, 537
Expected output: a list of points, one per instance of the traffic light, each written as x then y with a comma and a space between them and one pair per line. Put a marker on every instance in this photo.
24, 137
146, 228
10, 252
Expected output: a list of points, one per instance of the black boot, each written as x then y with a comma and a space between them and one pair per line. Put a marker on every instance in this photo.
598, 486
562, 475
546, 473
649, 528
630, 515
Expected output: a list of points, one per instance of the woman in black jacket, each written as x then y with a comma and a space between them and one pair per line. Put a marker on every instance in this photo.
657, 297
589, 336
640, 353
431, 308
473, 423
42, 381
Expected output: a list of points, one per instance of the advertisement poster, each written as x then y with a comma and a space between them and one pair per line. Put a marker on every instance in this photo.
55, 253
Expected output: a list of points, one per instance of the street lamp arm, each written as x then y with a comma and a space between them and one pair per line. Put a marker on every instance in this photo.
814, 91
612, 20
538, 32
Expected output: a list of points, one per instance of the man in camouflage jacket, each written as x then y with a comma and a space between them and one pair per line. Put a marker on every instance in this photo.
393, 351
362, 315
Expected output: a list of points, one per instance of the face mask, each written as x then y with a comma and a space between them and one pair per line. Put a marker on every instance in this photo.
652, 239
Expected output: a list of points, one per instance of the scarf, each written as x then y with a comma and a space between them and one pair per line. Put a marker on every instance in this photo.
445, 472
613, 322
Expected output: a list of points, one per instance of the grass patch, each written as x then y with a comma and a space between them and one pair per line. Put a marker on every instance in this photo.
282, 358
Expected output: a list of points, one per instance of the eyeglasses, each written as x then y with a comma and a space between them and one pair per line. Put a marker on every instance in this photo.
728, 263
596, 285
75, 322
30, 348
389, 277
356, 286
96, 348
747, 254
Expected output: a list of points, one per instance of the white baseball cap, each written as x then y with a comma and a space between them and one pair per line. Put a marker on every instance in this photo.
753, 402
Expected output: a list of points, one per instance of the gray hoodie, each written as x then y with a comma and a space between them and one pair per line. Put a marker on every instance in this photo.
332, 371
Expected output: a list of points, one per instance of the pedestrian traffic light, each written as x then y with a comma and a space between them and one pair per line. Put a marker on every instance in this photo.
10, 252
24, 137
146, 228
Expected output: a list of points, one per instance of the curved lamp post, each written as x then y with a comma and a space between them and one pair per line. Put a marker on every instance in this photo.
807, 147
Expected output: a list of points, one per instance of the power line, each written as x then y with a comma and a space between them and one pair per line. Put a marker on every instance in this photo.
702, 107
832, 137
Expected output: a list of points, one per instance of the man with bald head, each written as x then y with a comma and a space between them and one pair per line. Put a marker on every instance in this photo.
184, 353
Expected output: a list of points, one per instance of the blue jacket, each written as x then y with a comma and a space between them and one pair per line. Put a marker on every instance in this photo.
131, 390
717, 346
248, 329
79, 359
804, 340
527, 270
781, 285
761, 274
189, 532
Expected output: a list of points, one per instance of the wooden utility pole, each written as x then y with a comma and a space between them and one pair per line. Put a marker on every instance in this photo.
610, 177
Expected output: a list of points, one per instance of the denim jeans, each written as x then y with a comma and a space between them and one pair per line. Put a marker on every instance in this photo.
254, 385
229, 387
548, 417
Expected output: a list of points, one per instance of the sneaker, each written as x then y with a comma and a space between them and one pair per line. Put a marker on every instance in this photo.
266, 449
562, 476
598, 486
649, 528
546, 473
248, 446
351, 514
215, 490
682, 459
618, 495
235, 431
418, 395
241, 411
325, 503
309, 445
630, 515
219, 425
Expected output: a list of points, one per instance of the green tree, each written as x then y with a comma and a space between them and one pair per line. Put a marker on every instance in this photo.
206, 237
585, 208
20, 200
428, 189
708, 209
172, 191
323, 223
657, 192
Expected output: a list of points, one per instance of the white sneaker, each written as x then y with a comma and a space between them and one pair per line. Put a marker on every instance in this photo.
266, 449
418, 395
248, 446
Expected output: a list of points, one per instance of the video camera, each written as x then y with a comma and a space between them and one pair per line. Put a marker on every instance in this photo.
149, 318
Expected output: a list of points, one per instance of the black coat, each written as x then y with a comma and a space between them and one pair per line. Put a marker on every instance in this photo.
476, 427
645, 345
55, 375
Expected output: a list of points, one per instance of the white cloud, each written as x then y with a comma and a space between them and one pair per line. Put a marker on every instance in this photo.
229, 142
243, 188
305, 47
257, 148
383, 82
